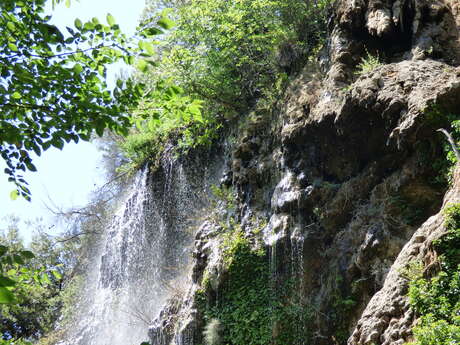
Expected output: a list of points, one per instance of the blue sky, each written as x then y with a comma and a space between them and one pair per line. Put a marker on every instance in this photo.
66, 178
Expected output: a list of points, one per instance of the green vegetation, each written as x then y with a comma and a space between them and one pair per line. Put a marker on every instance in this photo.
218, 61
250, 309
292, 316
31, 284
166, 115
47, 284
342, 307
244, 307
368, 63
437, 300
249, 306
54, 88
438, 118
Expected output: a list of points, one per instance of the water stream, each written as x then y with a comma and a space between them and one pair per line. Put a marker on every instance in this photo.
142, 258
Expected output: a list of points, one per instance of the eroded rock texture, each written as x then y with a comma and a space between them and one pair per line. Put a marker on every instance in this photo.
343, 173
387, 318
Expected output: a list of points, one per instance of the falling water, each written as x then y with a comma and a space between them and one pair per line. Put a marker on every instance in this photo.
144, 252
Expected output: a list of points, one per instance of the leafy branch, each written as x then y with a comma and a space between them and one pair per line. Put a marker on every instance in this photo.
54, 90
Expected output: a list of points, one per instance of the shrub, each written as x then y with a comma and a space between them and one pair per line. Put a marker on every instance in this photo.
223, 56
368, 63
167, 115
437, 300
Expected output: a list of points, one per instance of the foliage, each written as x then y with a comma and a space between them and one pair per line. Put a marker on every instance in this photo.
222, 56
166, 114
53, 87
291, 315
342, 307
438, 332
368, 63
250, 307
244, 307
437, 118
35, 282
437, 300
227, 51
14, 342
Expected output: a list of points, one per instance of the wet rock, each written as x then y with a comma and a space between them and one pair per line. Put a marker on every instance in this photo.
339, 170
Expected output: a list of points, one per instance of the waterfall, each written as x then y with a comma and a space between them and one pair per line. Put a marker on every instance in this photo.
143, 257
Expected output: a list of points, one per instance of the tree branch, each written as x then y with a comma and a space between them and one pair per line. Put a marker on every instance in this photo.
451, 142
26, 106
76, 235
100, 46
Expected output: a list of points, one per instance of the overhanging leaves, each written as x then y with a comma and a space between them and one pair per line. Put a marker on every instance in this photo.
53, 88
6, 296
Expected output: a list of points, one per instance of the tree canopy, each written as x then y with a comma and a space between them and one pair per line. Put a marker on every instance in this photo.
53, 87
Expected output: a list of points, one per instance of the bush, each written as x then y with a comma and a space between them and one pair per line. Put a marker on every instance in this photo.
168, 115
230, 52
222, 56
368, 64
437, 300
433, 332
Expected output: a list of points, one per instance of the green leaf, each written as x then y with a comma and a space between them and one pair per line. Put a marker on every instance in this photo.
37, 150
12, 46
140, 44
78, 24
31, 167
110, 20
6, 297
166, 23
44, 277
57, 275
88, 26
27, 254
18, 259
67, 3
5, 282
148, 47
152, 63
11, 26
142, 65
14, 194
100, 126
153, 31
101, 71
58, 143
77, 68
16, 95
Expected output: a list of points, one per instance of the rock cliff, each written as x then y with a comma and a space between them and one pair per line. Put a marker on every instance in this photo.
327, 197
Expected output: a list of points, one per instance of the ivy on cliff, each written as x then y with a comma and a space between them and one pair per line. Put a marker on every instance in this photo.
251, 308
244, 308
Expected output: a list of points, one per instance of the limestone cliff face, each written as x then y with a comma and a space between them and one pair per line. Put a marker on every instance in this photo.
338, 181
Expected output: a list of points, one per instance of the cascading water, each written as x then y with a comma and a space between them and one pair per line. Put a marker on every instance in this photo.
143, 257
